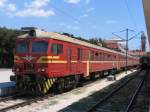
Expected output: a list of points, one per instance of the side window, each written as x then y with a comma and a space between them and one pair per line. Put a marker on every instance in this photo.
115, 58
96, 56
79, 54
100, 57
92, 56
57, 49
108, 57
104, 57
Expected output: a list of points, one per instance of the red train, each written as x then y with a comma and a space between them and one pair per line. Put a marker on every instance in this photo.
46, 60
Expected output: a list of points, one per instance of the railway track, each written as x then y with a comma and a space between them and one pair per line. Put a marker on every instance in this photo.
122, 98
12, 102
7, 98
19, 100
23, 103
140, 101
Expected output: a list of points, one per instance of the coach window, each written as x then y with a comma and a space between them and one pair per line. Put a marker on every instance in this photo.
115, 58
57, 49
104, 57
92, 55
79, 54
100, 57
96, 56
109, 57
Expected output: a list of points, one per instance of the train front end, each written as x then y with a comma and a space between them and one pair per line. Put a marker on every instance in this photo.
31, 75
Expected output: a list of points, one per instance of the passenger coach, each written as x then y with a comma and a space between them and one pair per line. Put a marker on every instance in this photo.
45, 60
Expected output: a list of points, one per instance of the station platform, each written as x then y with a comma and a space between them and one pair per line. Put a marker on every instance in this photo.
6, 86
5, 75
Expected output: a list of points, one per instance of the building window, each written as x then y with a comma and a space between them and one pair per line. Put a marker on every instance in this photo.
57, 49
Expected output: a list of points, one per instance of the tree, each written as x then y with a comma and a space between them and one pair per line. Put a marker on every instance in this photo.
98, 41
7, 44
95, 41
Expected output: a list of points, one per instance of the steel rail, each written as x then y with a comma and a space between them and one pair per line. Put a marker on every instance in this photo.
28, 102
136, 93
31, 101
10, 97
111, 93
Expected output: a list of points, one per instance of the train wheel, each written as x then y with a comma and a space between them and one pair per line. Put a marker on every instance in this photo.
19, 85
60, 86
76, 81
92, 76
38, 87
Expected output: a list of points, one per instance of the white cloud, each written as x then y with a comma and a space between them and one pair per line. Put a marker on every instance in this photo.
84, 16
3, 3
37, 3
76, 22
72, 1
87, 1
35, 13
11, 7
90, 9
8, 7
94, 26
36, 8
111, 22
86, 13
73, 27
62, 24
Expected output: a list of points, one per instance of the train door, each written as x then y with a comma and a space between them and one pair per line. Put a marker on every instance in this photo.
69, 52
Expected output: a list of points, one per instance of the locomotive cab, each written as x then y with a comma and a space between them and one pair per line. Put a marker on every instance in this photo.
30, 51
30, 72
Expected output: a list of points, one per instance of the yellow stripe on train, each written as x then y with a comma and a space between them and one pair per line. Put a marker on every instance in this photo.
47, 59
41, 60
17, 59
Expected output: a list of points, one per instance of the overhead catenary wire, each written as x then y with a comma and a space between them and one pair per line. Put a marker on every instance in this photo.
62, 11
131, 15
66, 14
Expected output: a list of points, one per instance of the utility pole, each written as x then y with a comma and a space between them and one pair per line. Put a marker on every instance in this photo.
127, 41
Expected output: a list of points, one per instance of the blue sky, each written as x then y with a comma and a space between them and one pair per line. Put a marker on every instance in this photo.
85, 18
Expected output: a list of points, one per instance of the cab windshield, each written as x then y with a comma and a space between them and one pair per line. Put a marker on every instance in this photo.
22, 47
39, 47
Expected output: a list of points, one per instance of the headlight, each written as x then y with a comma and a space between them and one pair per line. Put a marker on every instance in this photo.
17, 70
42, 70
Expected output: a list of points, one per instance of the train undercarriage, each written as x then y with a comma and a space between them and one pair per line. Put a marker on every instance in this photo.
43, 85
